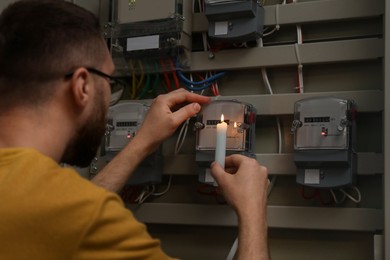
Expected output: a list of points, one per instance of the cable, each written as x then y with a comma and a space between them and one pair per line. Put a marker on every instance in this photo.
146, 87
166, 189
214, 86
135, 85
300, 66
202, 82
206, 83
166, 76
356, 200
336, 200
146, 193
155, 83
346, 195
176, 80
233, 250
277, 26
182, 136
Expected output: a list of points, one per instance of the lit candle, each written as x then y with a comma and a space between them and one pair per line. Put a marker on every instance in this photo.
220, 146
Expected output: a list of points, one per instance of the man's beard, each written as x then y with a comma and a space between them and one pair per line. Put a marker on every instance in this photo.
84, 145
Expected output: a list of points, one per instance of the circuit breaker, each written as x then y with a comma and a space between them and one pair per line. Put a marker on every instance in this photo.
324, 142
234, 21
240, 135
123, 122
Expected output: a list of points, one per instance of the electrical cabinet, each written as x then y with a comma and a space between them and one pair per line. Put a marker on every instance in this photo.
339, 55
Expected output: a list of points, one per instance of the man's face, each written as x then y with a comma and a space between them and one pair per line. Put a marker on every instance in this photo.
83, 147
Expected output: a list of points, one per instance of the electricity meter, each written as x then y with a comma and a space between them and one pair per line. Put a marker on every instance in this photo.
123, 122
234, 21
324, 140
240, 135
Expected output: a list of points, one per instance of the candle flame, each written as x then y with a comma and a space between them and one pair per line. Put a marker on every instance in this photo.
222, 118
235, 124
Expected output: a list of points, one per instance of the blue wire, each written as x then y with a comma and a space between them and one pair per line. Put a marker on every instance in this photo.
202, 82
207, 85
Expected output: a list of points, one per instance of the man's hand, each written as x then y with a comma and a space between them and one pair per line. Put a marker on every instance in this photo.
166, 114
244, 185
244, 182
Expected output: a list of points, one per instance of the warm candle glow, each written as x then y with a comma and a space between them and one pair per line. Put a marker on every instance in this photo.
222, 118
235, 125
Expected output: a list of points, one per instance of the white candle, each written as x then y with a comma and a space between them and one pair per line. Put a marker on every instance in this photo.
220, 146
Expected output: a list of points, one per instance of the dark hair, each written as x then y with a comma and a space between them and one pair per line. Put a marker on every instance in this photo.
40, 41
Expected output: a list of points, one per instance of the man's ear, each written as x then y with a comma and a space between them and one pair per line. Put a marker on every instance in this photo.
81, 87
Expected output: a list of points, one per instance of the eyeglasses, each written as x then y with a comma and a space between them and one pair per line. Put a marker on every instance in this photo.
116, 84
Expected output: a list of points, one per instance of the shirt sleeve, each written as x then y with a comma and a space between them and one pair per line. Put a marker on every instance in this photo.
114, 233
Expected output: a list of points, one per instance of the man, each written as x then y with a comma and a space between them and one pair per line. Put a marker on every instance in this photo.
54, 95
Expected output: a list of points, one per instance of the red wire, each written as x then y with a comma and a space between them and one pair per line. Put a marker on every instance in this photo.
213, 87
316, 194
208, 190
166, 77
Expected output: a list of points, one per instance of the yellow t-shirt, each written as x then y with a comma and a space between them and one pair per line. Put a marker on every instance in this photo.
49, 212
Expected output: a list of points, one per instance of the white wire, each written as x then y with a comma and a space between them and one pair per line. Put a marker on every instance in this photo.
277, 26
145, 194
270, 32
300, 68
297, 54
182, 136
337, 201
166, 189
266, 80
346, 195
233, 250
359, 196
299, 34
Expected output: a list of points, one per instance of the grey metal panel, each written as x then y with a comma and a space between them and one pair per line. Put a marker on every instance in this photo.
315, 11
368, 164
310, 53
367, 100
283, 104
357, 219
354, 219
323, 11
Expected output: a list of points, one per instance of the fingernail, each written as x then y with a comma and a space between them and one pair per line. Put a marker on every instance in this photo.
196, 106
